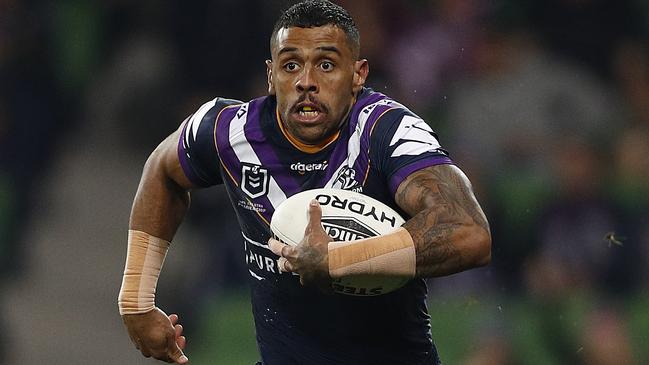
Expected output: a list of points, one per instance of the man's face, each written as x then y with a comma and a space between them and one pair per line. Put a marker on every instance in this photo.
315, 77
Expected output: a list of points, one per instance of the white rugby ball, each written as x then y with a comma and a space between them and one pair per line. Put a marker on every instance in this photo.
346, 216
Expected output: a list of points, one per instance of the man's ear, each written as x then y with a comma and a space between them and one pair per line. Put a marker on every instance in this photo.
361, 70
269, 74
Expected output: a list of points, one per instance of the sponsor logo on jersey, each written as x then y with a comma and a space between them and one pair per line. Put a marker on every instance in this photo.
357, 207
260, 259
254, 180
346, 180
309, 167
346, 228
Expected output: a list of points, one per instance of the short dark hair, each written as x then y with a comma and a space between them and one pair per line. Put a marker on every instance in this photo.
318, 13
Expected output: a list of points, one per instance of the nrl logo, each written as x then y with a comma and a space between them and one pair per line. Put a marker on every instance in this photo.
254, 180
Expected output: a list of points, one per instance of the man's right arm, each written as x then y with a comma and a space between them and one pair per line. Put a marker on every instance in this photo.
162, 198
160, 204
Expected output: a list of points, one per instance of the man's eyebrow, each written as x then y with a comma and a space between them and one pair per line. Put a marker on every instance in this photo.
287, 50
329, 49
333, 49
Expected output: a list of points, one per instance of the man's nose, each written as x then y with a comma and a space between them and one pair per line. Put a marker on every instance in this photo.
307, 82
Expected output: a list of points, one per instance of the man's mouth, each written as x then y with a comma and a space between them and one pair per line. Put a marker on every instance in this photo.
308, 112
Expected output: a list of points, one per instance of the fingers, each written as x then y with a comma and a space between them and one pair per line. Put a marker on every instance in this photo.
174, 319
178, 328
182, 342
158, 335
315, 216
177, 356
279, 248
288, 255
174, 352
283, 251
284, 265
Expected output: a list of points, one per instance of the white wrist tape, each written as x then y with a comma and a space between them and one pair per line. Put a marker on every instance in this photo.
392, 254
144, 258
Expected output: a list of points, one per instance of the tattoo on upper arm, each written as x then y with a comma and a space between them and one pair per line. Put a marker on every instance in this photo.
445, 189
440, 200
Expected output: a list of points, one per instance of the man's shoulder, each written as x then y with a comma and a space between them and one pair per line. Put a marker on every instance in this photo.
209, 109
219, 102
262, 103
379, 110
209, 112
370, 100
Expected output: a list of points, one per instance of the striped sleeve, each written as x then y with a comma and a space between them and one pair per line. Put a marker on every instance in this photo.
403, 143
196, 147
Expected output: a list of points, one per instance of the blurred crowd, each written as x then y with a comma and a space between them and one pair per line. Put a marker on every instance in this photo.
544, 104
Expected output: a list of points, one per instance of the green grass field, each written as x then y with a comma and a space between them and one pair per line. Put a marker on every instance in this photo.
536, 332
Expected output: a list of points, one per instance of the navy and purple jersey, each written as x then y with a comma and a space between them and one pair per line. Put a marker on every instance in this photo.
244, 146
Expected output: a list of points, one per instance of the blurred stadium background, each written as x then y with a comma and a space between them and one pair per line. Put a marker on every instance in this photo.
545, 105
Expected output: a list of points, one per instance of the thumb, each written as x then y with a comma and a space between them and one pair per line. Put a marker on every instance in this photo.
314, 215
175, 353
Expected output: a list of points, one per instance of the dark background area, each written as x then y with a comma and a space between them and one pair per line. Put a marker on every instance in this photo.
544, 104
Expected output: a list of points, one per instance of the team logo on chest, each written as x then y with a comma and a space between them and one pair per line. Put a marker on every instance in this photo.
254, 180
346, 180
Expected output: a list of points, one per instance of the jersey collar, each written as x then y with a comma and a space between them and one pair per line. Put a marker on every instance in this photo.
307, 148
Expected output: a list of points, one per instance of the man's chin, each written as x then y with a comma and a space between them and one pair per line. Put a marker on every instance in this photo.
310, 134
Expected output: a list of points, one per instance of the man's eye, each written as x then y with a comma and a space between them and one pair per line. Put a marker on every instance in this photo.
327, 66
291, 66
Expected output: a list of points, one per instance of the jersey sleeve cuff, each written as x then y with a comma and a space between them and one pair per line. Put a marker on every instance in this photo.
185, 164
401, 174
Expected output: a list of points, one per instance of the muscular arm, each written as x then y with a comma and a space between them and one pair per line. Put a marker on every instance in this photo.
448, 227
160, 204
448, 230
162, 198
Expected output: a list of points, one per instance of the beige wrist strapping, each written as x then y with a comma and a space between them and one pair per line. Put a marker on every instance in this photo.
144, 258
392, 254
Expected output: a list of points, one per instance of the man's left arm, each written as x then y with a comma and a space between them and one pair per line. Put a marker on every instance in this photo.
448, 233
448, 227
